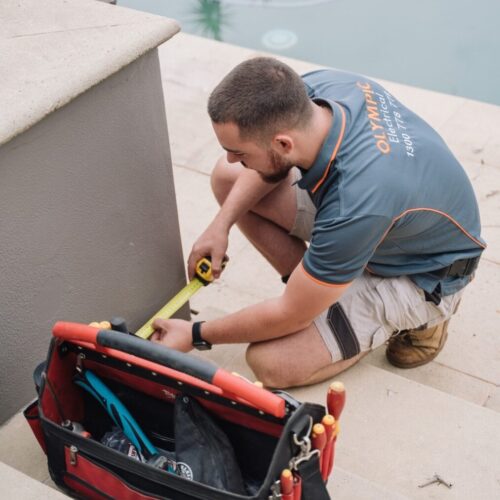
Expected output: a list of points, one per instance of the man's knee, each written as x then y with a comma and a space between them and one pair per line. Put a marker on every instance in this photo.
284, 372
268, 368
223, 178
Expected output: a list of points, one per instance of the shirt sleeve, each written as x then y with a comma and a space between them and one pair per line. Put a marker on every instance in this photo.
340, 249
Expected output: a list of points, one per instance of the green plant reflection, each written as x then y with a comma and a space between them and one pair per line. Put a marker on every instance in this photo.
210, 16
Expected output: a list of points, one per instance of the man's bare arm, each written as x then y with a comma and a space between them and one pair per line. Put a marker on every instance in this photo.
247, 191
302, 301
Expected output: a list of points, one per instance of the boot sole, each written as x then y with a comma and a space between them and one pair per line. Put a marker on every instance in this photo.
397, 364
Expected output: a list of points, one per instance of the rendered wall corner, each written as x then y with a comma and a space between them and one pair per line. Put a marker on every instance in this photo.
88, 220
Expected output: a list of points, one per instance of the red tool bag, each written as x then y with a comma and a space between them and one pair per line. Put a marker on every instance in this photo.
267, 431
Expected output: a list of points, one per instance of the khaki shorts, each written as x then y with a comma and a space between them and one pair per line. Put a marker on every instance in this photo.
372, 308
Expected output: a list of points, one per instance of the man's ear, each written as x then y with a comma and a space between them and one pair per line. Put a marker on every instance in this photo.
283, 144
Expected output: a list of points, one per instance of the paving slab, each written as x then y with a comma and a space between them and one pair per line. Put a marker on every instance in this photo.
15, 484
344, 485
400, 433
491, 152
197, 207
441, 377
197, 62
473, 345
221, 297
20, 450
491, 233
249, 272
486, 184
192, 139
493, 402
474, 130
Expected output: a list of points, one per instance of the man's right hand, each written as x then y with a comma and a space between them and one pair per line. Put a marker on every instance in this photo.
212, 243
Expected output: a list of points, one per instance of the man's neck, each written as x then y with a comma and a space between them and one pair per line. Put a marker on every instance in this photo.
312, 139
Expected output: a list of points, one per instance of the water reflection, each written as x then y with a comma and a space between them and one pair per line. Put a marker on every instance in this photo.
211, 16
429, 44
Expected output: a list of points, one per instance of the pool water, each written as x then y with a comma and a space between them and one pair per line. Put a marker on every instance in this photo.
451, 46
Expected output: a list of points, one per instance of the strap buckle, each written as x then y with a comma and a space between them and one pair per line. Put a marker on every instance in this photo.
275, 491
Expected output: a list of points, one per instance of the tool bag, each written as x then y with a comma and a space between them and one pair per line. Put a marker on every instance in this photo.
267, 431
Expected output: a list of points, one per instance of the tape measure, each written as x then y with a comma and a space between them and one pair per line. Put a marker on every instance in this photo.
203, 277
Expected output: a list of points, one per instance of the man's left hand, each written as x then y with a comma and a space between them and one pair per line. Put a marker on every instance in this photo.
173, 333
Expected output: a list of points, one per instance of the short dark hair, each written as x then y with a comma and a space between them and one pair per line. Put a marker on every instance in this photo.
261, 96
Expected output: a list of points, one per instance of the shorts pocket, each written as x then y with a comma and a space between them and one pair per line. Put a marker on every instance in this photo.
404, 303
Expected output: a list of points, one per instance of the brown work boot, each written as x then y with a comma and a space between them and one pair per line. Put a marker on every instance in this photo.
411, 348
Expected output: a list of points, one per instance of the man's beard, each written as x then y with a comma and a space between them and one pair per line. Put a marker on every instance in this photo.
280, 166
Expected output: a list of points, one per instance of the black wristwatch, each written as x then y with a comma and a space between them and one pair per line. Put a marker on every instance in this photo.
198, 342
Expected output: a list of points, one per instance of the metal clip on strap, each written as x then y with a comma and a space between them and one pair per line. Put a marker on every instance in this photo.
275, 491
304, 444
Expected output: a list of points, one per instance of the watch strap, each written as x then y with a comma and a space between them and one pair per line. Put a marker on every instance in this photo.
197, 340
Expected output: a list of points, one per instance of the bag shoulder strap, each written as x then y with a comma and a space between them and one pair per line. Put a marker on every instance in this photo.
313, 487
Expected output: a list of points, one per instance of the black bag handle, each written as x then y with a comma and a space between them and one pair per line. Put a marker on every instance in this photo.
157, 353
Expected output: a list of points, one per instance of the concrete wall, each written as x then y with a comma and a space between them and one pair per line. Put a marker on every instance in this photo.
88, 220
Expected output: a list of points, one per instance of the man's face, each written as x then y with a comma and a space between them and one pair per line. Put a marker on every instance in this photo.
269, 164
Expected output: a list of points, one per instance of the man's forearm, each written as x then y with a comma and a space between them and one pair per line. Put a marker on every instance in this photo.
263, 321
302, 301
246, 192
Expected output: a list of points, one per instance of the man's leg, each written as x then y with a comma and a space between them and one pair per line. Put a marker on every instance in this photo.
367, 315
338, 338
268, 224
298, 359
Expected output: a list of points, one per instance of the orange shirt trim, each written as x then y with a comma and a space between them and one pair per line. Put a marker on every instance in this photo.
334, 153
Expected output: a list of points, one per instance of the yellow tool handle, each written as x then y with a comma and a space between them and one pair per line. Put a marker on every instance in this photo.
203, 277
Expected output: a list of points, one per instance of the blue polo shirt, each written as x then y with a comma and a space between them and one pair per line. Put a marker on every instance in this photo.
390, 196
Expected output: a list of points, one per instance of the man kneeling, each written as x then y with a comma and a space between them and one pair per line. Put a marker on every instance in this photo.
333, 159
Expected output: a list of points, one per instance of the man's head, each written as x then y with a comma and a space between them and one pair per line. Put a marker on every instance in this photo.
256, 110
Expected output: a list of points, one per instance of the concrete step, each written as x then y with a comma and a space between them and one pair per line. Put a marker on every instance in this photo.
345, 485
15, 484
20, 450
399, 433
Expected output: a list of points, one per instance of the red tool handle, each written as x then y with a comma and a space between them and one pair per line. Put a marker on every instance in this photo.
319, 442
335, 399
329, 424
286, 484
194, 366
297, 487
318, 437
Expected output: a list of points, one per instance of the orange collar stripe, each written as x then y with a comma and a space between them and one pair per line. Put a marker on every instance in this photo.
335, 150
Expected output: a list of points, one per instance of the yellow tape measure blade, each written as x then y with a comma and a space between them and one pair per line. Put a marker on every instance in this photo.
146, 330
